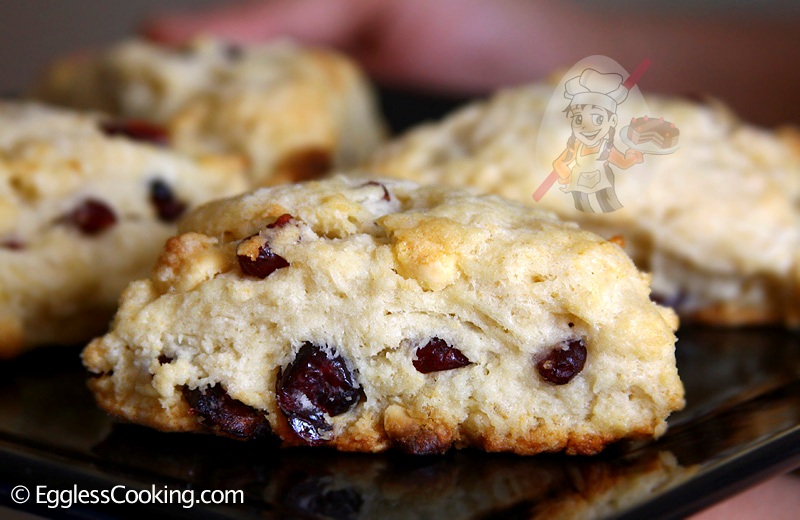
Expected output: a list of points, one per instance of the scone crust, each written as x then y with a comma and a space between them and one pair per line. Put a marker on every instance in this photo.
376, 269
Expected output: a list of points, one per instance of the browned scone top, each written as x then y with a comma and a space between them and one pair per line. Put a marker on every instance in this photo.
370, 315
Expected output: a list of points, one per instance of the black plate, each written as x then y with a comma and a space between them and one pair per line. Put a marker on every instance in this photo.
741, 425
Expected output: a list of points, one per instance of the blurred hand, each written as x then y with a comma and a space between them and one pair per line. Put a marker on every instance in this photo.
475, 46
453, 45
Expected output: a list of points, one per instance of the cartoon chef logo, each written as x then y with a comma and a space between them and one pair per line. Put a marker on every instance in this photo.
588, 164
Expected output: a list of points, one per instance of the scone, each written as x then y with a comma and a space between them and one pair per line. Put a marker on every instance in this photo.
717, 223
81, 215
370, 315
292, 112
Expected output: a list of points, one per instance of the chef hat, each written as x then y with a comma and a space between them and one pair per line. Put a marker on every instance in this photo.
596, 88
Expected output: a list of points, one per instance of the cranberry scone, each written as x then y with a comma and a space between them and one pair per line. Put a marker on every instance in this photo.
366, 315
291, 112
83, 213
717, 223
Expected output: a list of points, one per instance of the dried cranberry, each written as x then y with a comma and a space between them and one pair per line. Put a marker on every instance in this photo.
312, 385
12, 244
280, 221
264, 264
386, 195
437, 355
92, 217
225, 415
168, 207
563, 362
138, 130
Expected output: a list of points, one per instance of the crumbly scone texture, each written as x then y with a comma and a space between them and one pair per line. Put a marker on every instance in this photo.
292, 112
717, 223
376, 271
59, 284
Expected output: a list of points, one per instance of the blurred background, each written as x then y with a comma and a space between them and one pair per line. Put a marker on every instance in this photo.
33, 32
744, 57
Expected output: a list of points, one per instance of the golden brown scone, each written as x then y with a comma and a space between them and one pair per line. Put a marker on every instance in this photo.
81, 215
291, 112
717, 223
368, 315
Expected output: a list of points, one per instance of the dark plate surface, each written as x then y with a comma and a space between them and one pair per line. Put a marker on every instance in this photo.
741, 425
